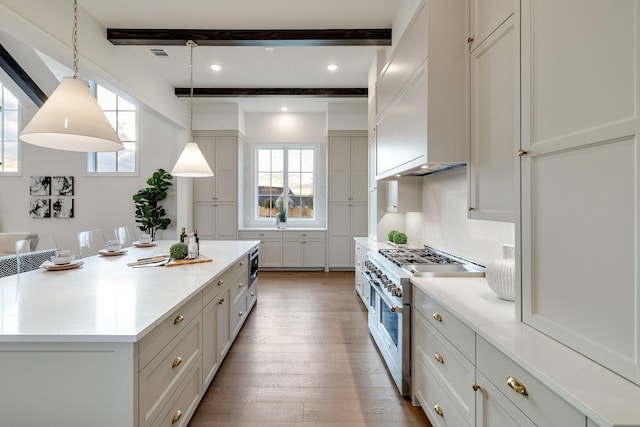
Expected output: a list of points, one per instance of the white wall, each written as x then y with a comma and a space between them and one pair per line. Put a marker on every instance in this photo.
445, 225
100, 202
348, 116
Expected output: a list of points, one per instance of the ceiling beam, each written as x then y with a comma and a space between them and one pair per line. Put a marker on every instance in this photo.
177, 37
213, 92
21, 78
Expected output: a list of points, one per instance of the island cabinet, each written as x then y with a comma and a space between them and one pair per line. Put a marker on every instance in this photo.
494, 59
361, 282
579, 177
421, 92
116, 346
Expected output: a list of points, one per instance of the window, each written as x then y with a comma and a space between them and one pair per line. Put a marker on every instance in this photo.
122, 116
290, 168
9, 160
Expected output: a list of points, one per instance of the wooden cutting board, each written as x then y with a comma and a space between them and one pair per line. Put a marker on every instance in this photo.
198, 260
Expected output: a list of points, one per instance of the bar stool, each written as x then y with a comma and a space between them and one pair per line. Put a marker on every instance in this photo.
126, 235
90, 242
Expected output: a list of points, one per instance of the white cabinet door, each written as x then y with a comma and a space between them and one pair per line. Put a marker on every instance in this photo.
271, 253
293, 253
495, 410
485, 16
494, 131
340, 249
226, 221
223, 324
314, 251
339, 169
226, 169
579, 189
204, 188
359, 169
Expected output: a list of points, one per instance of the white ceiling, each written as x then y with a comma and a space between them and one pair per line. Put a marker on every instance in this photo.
254, 66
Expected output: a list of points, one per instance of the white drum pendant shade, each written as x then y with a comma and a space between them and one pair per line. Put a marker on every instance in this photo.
192, 163
72, 120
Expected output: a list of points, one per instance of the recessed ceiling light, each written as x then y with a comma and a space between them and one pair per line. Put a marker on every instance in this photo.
332, 67
216, 67
284, 109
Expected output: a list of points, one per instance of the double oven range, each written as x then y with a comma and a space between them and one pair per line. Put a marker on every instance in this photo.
389, 272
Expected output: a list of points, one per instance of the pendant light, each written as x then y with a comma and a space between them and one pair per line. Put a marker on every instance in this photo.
191, 162
71, 118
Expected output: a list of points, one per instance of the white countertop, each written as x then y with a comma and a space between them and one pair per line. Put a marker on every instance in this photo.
605, 397
105, 300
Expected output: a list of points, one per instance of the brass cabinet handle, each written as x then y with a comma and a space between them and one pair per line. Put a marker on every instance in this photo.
517, 386
475, 387
521, 152
253, 295
241, 263
176, 417
220, 282
437, 317
470, 40
240, 285
438, 358
176, 362
471, 209
240, 313
178, 320
438, 410
221, 301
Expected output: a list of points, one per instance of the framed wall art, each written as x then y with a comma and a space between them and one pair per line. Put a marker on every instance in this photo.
40, 186
62, 186
62, 208
39, 207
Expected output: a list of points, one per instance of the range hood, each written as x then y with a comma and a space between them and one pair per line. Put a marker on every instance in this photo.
424, 169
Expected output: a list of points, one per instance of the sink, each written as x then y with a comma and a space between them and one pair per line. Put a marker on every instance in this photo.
444, 270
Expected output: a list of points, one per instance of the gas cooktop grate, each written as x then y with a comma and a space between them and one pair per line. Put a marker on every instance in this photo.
402, 257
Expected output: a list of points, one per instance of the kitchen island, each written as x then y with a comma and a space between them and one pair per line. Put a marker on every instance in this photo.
111, 345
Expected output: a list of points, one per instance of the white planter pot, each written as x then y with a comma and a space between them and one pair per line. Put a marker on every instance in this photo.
500, 274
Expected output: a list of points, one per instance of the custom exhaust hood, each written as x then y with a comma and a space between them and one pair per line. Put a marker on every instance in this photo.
424, 169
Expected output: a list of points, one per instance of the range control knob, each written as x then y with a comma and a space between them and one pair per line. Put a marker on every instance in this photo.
397, 292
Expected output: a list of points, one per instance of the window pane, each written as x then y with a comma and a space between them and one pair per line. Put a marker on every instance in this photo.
10, 125
307, 162
112, 117
10, 161
294, 160
127, 125
106, 98
10, 101
127, 158
264, 160
106, 162
124, 105
277, 160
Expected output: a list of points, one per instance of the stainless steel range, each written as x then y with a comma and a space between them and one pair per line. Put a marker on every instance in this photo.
389, 272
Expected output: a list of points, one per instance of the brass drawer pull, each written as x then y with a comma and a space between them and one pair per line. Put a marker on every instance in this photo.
178, 320
240, 285
176, 362
521, 152
176, 417
439, 358
239, 313
517, 386
220, 282
241, 263
221, 301
475, 387
437, 317
438, 410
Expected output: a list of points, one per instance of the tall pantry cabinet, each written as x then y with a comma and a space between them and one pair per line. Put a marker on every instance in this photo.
348, 194
215, 199
579, 166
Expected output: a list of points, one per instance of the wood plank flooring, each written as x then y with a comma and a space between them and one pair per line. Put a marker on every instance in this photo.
305, 358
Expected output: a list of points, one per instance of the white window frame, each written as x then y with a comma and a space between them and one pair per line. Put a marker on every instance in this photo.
17, 172
291, 221
92, 156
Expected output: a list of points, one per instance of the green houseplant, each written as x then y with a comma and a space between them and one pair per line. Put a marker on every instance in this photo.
150, 214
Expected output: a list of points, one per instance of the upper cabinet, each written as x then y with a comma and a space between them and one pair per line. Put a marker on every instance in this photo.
421, 92
348, 160
579, 177
221, 154
494, 60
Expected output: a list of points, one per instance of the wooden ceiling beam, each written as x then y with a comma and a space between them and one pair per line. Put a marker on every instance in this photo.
211, 92
179, 37
21, 78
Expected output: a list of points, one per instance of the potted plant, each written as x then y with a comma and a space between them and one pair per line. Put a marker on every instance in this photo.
282, 218
150, 214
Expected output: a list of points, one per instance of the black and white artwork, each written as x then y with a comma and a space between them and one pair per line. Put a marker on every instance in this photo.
62, 208
40, 186
62, 186
39, 207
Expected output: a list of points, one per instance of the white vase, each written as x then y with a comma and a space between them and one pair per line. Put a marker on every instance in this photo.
500, 274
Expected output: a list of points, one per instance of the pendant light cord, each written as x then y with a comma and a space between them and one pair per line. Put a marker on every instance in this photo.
191, 44
74, 39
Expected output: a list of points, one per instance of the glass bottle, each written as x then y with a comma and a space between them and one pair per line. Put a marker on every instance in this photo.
183, 234
195, 234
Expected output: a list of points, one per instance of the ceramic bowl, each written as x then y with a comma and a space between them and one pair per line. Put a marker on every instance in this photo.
113, 245
59, 260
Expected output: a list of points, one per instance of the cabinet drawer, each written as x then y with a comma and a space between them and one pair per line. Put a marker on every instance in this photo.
239, 269
454, 372
239, 287
178, 411
304, 235
459, 334
259, 235
238, 313
252, 296
154, 341
434, 400
540, 404
160, 378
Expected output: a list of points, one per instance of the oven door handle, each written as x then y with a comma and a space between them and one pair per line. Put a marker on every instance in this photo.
394, 308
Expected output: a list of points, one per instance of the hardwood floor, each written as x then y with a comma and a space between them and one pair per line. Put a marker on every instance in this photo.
305, 358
